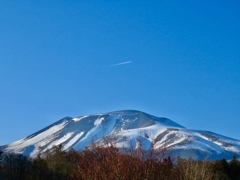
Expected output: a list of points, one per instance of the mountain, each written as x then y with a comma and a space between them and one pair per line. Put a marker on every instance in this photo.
128, 128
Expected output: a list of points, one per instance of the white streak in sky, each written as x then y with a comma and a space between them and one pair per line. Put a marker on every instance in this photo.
122, 63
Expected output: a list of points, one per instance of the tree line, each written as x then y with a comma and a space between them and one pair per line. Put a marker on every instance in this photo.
98, 162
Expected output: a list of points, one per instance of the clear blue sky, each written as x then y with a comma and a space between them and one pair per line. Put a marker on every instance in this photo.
59, 58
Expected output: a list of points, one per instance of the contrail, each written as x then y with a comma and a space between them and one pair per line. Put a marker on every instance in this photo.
122, 63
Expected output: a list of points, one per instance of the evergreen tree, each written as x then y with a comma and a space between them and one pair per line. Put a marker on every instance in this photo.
14, 166
221, 169
234, 167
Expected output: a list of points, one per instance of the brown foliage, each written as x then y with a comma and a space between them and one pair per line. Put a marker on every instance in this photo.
113, 163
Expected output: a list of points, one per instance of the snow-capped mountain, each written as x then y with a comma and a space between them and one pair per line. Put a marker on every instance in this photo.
127, 129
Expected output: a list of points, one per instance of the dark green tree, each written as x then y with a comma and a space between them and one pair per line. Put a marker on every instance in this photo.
221, 169
14, 166
234, 168
58, 162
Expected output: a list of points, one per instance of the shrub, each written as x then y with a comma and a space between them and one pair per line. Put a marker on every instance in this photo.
191, 170
113, 163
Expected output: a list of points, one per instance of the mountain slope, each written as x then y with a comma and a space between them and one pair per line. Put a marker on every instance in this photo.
127, 129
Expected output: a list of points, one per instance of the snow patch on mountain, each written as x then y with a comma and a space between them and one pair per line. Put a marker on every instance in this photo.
79, 118
39, 140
